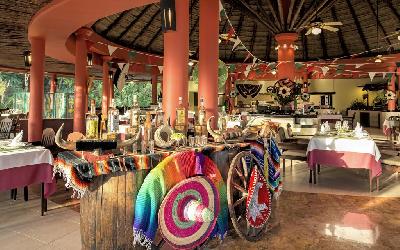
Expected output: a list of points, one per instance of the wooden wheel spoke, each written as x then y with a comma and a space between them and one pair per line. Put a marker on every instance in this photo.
241, 176
238, 187
240, 201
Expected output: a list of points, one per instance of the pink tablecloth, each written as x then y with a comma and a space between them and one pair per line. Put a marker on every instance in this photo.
23, 176
344, 160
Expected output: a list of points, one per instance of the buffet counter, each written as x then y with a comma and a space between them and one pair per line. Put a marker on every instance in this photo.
371, 118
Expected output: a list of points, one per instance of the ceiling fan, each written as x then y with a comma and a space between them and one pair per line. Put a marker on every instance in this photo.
316, 26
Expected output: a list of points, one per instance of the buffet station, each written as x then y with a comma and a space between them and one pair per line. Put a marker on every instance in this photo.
183, 184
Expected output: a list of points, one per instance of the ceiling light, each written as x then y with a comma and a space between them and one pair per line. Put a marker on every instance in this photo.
398, 38
273, 71
27, 58
316, 30
378, 60
190, 63
89, 59
168, 15
219, 40
284, 45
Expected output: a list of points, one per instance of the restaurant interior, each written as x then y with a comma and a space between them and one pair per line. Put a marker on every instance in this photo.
199, 124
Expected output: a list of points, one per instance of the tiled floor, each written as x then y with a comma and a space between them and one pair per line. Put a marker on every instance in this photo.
337, 213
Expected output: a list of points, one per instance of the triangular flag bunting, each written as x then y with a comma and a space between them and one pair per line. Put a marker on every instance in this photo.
247, 57
231, 32
237, 42
383, 75
246, 73
371, 75
232, 68
132, 54
120, 65
324, 69
248, 67
359, 65
254, 61
221, 8
111, 49
160, 68
298, 65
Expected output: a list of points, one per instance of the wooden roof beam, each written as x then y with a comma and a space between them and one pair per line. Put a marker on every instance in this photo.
271, 8
339, 33
290, 12
312, 12
264, 14
393, 9
379, 23
134, 20
268, 47
283, 21
255, 15
238, 29
114, 23
253, 38
296, 14
323, 45
145, 27
358, 25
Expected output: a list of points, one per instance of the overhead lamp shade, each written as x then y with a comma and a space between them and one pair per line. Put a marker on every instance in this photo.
27, 58
89, 59
110, 74
168, 15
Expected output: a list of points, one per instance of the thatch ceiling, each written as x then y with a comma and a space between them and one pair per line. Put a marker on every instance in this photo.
14, 20
140, 28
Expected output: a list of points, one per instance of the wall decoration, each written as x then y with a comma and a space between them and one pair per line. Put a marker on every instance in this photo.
390, 95
285, 91
246, 90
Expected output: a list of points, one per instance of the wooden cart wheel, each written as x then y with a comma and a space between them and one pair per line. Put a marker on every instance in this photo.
237, 186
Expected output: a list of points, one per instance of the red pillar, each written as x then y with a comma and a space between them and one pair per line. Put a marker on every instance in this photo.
105, 100
208, 55
176, 58
80, 87
53, 83
286, 67
154, 83
392, 87
36, 89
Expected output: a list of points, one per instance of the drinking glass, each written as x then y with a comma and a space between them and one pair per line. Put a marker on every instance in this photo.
151, 146
203, 140
198, 140
191, 141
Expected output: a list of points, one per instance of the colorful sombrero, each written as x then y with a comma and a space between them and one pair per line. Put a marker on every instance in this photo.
258, 204
189, 212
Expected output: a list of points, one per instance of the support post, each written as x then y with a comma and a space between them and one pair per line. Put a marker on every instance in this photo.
286, 67
208, 56
36, 89
176, 58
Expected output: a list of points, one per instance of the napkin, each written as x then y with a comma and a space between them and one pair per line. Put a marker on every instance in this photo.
358, 131
17, 139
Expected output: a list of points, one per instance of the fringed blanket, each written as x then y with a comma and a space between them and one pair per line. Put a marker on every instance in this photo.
161, 179
80, 170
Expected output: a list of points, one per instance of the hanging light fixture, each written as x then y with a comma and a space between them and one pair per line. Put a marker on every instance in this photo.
89, 59
190, 63
168, 15
27, 58
273, 71
316, 30
110, 74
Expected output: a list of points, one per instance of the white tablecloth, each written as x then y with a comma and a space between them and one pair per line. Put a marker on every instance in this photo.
25, 157
344, 145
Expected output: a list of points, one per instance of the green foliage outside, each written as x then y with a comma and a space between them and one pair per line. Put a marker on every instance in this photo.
222, 75
13, 84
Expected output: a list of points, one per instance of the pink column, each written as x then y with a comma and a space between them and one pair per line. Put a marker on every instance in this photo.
80, 88
208, 55
105, 100
286, 68
36, 89
176, 58
154, 83
392, 87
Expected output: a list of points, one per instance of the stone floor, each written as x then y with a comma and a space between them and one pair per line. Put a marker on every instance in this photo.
337, 213
307, 221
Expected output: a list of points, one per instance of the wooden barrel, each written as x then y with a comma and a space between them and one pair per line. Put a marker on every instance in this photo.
107, 211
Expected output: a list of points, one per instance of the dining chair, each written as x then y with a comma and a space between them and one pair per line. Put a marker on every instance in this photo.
350, 119
391, 163
48, 137
5, 128
291, 149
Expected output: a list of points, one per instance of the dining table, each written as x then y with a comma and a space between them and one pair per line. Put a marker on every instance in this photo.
345, 151
24, 165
